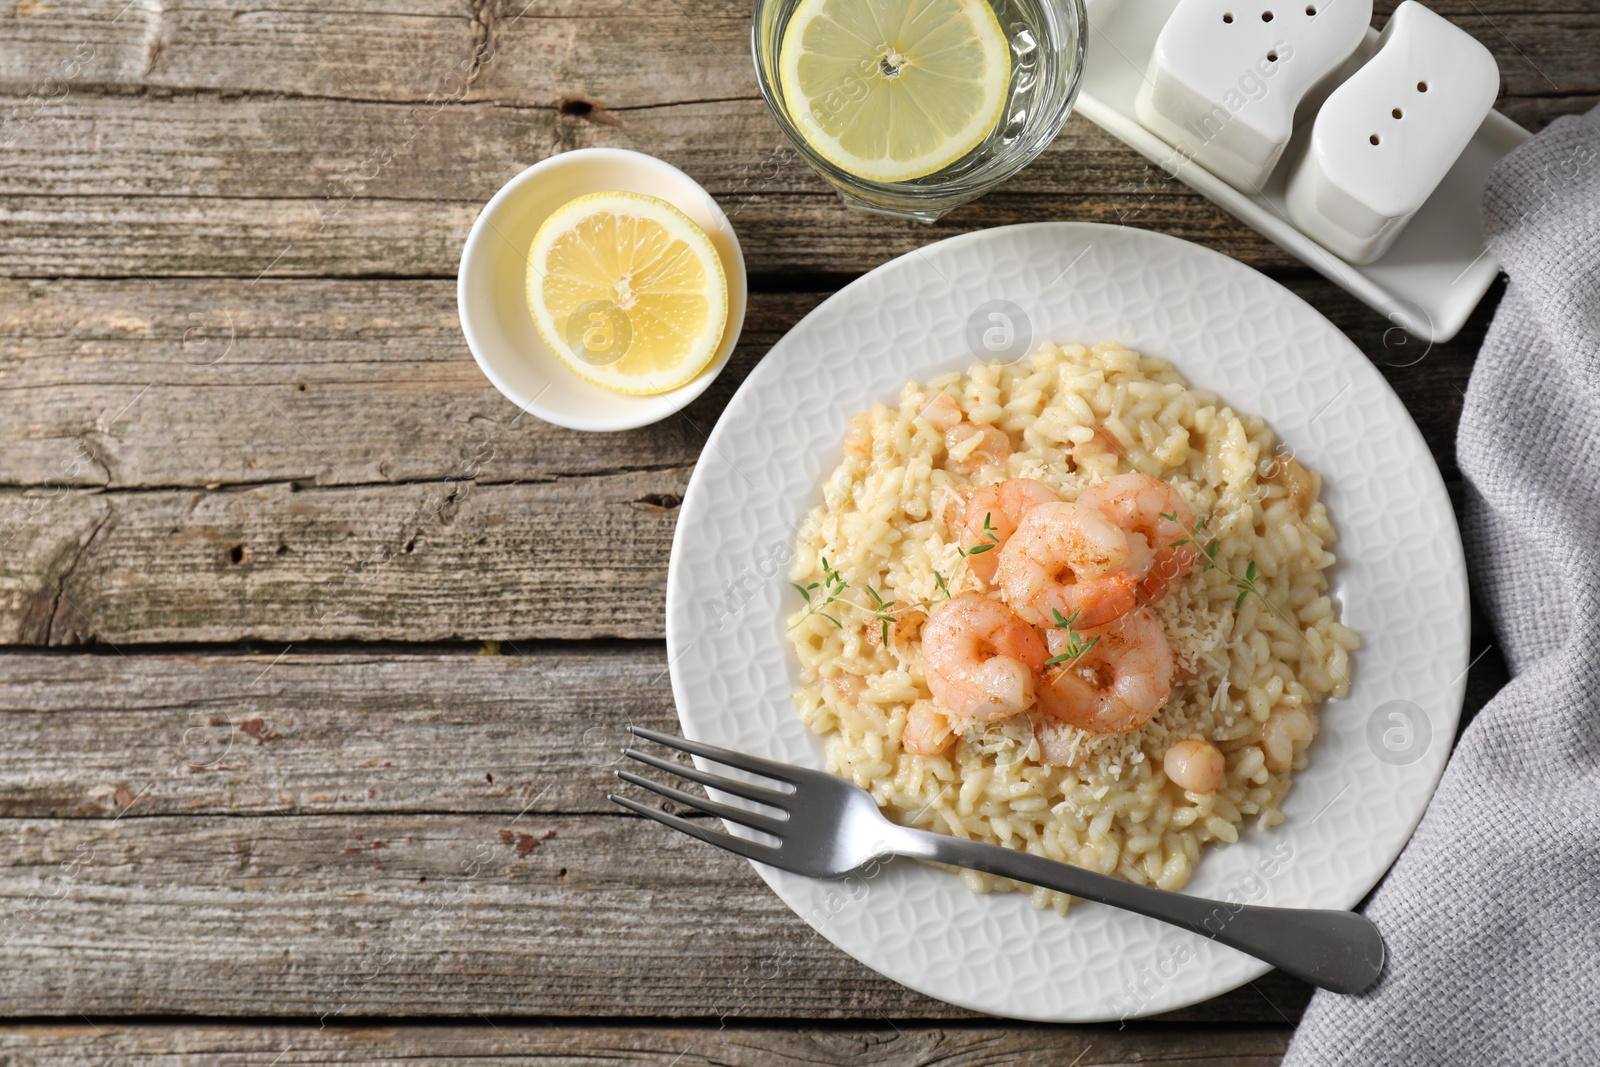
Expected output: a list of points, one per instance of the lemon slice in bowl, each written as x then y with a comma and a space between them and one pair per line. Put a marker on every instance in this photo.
627, 292
891, 90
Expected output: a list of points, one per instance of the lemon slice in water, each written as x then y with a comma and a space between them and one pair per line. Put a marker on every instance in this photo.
627, 292
891, 90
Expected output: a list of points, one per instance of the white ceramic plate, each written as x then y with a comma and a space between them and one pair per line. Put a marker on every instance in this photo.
1440, 266
1401, 582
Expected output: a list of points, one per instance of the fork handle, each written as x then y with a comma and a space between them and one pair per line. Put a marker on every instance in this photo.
1336, 950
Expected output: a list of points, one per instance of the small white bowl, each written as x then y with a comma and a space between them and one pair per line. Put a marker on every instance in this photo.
491, 288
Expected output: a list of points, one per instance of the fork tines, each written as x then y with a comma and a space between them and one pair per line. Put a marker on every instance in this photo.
768, 824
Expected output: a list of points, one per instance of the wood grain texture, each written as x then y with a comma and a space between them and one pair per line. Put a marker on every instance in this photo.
331, 154
568, 1045
134, 384
515, 52
238, 409
339, 187
100, 236
536, 729
230, 809
52, 231
212, 181
128, 384
326, 917
366, 482
581, 557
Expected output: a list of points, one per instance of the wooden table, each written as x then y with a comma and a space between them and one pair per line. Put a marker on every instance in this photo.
317, 656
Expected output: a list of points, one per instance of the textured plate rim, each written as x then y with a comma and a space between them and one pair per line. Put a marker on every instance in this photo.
1421, 778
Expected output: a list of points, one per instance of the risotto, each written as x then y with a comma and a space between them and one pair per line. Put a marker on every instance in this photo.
1255, 640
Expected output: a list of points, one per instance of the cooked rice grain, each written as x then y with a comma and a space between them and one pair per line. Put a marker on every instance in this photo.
882, 524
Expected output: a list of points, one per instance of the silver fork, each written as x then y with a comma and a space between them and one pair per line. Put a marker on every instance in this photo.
828, 828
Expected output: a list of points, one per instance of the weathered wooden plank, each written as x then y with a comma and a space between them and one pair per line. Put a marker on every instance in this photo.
105, 236
512, 51
536, 729
324, 917
1537, 112
309, 400
205, 185
579, 557
135, 384
206, 145
421, 51
144, 236
329, 917
557, 1044
350, 750
221, 381
330, 152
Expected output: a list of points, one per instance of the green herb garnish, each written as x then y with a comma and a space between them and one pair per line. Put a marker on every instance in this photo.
1076, 646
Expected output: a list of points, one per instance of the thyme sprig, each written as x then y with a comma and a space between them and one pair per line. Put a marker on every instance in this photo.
1076, 646
1246, 585
884, 614
990, 542
830, 591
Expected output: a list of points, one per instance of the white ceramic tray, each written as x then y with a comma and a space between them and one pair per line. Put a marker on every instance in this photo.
1437, 271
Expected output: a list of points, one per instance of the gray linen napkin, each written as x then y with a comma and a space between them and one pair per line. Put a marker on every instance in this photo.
1492, 913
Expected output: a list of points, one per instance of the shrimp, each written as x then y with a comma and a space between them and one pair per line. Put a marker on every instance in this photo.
1286, 728
1141, 505
845, 688
1300, 484
1119, 683
1194, 765
928, 731
858, 439
1069, 559
980, 659
992, 516
902, 631
943, 412
1098, 450
992, 447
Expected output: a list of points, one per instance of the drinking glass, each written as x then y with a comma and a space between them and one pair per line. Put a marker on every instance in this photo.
1046, 38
